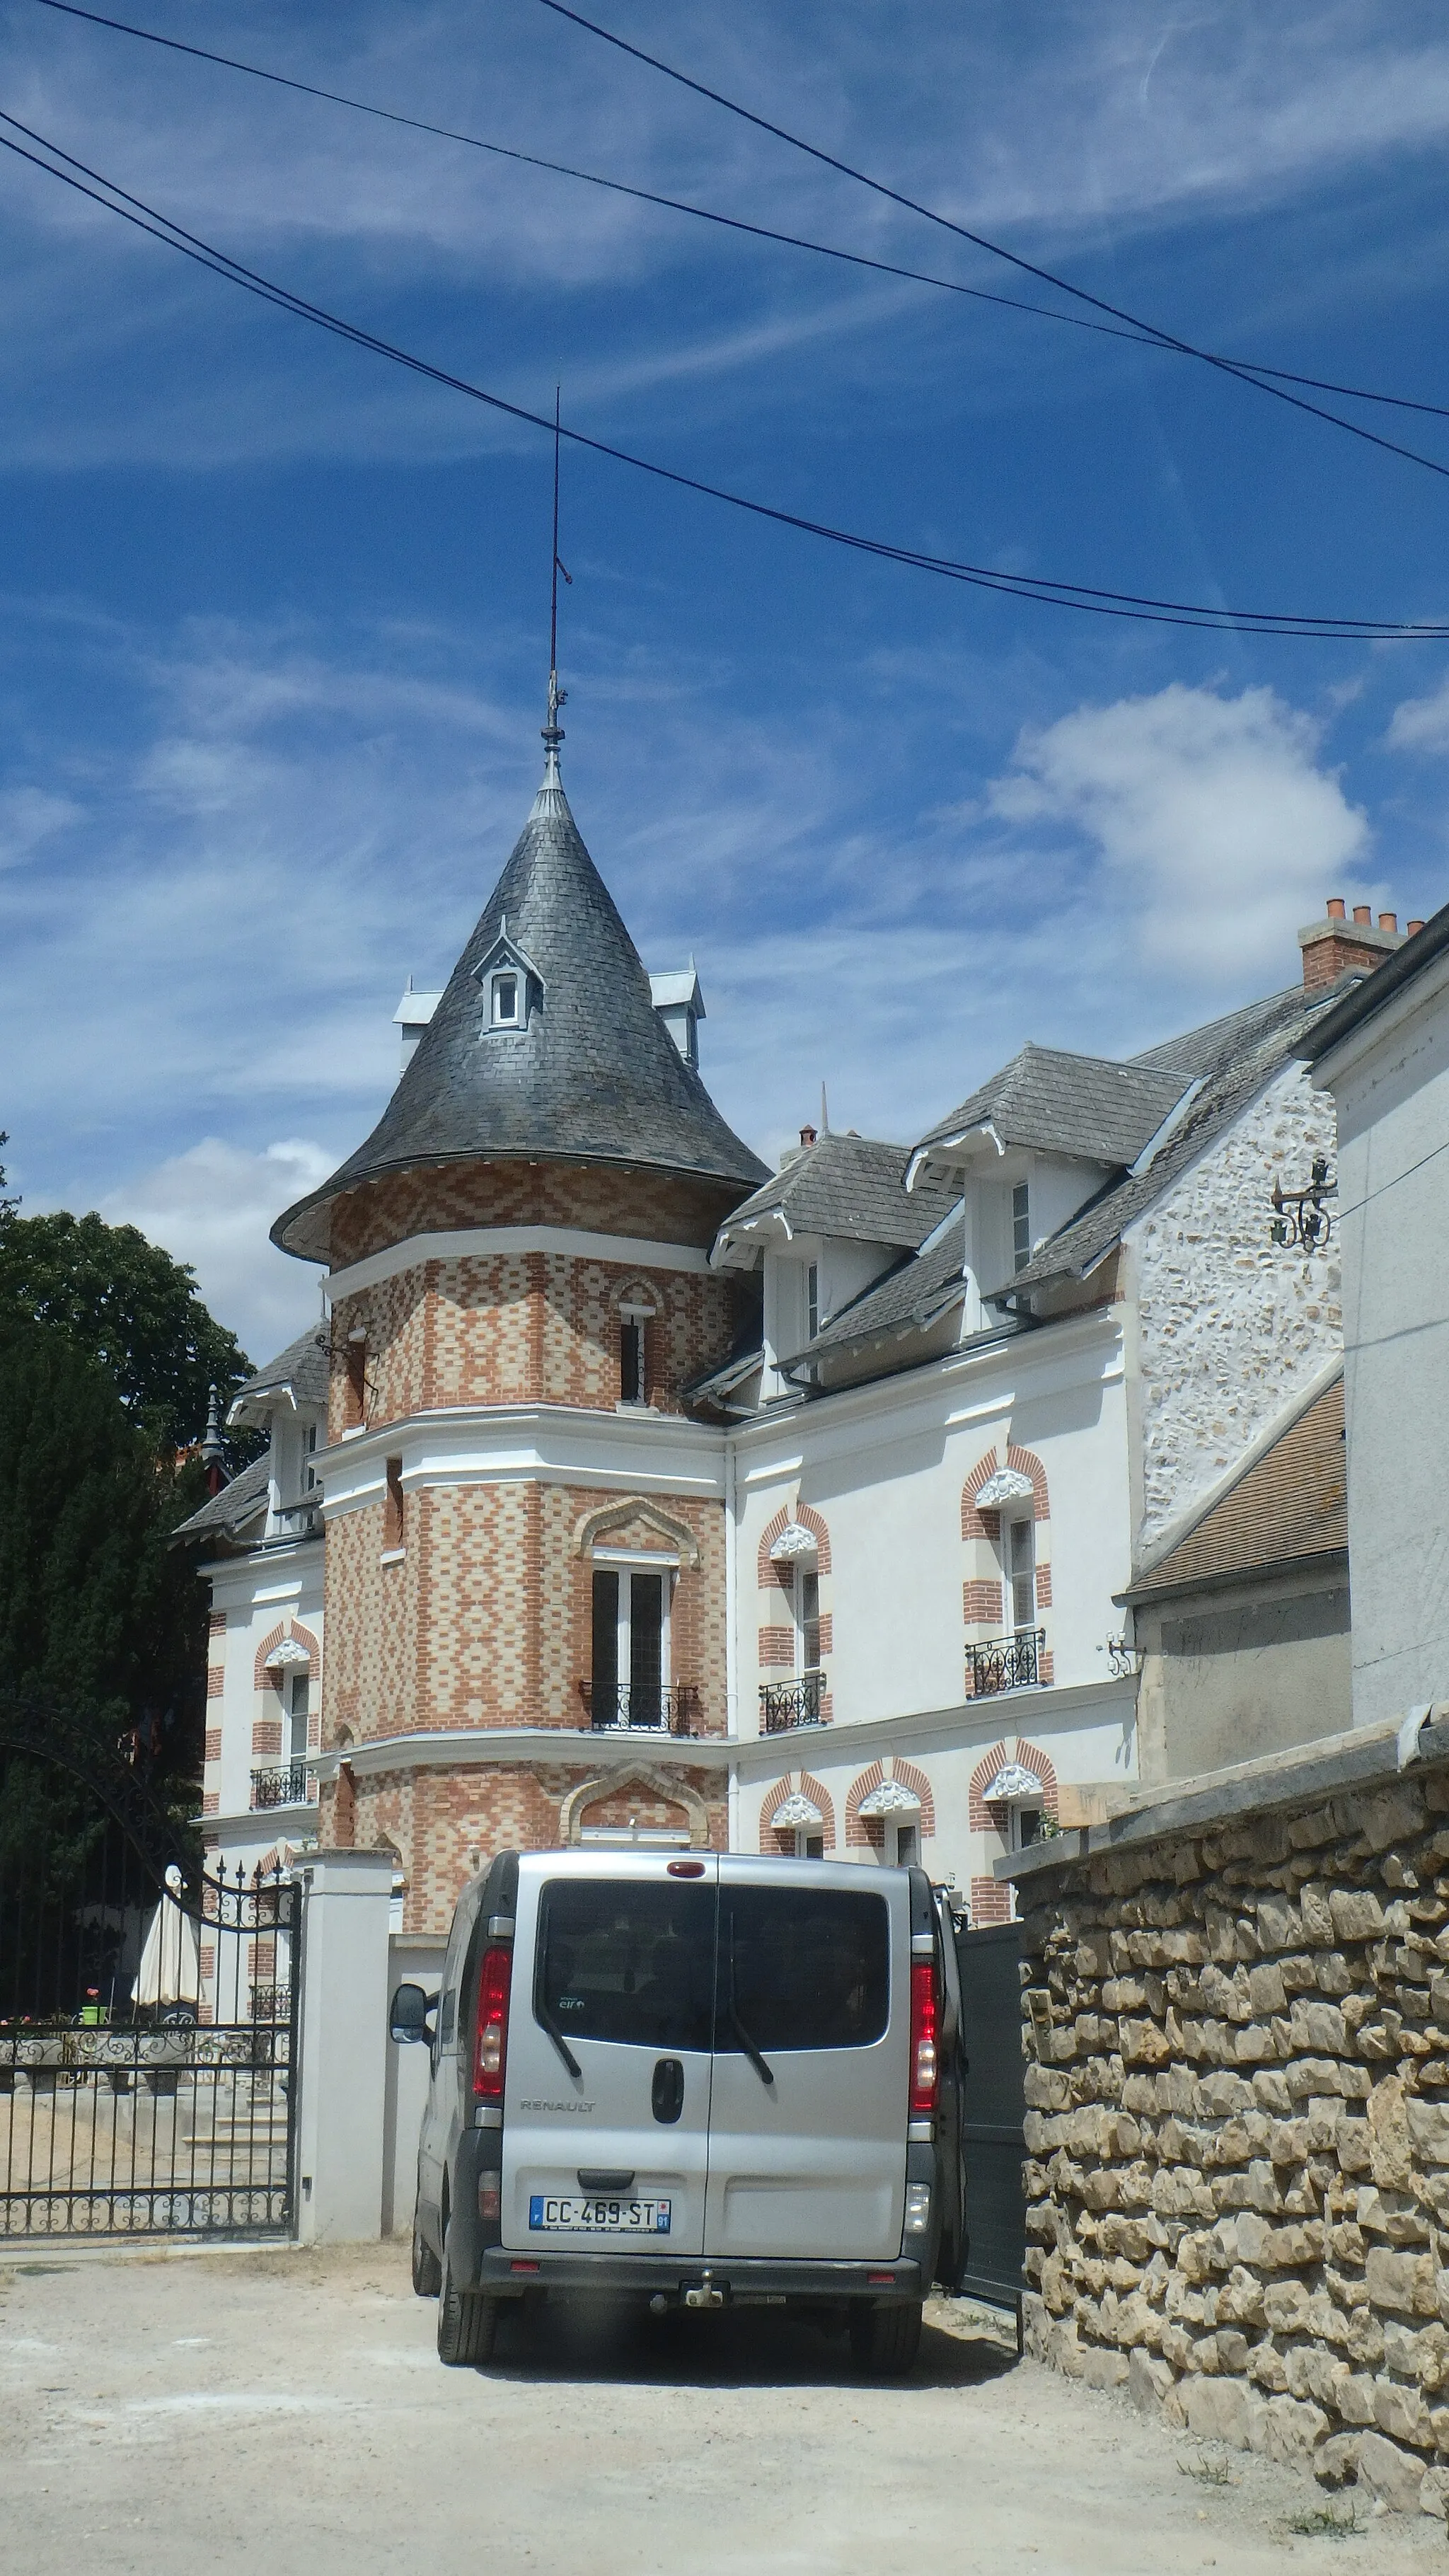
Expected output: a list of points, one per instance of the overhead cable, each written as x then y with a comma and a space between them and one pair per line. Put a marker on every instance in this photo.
1139, 334
1261, 379
1088, 599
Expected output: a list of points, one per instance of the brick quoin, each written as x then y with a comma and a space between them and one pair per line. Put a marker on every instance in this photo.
784, 1575
213, 1744
216, 1623
263, 1676
979, 1814
858, 1835
990, 1902
981, 1603
215, 1680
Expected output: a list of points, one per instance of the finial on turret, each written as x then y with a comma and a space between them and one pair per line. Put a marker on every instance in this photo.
553, 730
213, 1455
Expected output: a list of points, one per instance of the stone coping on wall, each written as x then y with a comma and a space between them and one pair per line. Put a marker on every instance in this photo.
1360, 1758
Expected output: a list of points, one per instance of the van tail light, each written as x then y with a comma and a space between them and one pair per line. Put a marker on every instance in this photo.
924, 2067
490, 2044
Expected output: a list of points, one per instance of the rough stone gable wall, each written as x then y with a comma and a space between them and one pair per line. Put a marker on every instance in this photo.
1237, 2166
1231, 1327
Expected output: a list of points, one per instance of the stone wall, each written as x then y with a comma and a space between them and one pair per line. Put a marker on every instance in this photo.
1237, 2034
1230, 1326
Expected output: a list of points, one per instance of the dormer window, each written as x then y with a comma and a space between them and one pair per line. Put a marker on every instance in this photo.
512, 986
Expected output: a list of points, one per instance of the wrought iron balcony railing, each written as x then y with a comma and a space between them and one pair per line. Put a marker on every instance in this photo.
1007, 1663
667, 1709
784, 1705
290, 1784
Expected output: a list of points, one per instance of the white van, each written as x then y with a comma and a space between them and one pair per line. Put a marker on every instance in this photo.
706, 2080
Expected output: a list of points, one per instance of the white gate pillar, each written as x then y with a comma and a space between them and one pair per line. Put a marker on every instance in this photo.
343, 2045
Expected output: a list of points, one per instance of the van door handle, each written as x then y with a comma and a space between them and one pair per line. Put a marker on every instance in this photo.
667, 2092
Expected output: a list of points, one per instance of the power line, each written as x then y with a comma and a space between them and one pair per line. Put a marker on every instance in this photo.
1047, 591
1258, 378
1137, 335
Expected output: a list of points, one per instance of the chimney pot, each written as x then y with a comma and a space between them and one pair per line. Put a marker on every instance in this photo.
1388, 921
807, 1135
1335, 907
1411, 928
1363, 913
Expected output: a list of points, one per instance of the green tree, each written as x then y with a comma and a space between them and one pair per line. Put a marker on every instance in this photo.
97, 1609
125, 1304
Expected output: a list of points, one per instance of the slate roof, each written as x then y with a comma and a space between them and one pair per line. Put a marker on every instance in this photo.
1200, 1052
301, 1368
226, 1514
1059, 1103
1272, 1038
593, 1077
849, 1186
1292, 1503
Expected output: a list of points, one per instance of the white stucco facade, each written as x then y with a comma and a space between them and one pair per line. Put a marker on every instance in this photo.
1390, 1079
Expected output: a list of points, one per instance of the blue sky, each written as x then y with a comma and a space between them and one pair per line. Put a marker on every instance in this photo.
273, 615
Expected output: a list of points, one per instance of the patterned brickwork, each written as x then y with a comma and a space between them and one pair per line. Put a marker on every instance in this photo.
912, 1777
658, 1207
488, 1618
445, 1824
520, 1328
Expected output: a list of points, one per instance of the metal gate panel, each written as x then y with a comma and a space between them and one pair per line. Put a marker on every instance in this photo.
993, 2113
148, 2022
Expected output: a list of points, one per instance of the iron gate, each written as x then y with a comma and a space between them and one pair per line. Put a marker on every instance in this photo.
993, 2113
148, 2011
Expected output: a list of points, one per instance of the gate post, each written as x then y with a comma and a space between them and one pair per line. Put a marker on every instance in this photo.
343, 2045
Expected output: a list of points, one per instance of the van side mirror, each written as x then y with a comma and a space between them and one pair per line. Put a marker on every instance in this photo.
409, 2014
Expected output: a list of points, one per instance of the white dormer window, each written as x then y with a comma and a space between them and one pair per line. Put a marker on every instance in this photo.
511, 984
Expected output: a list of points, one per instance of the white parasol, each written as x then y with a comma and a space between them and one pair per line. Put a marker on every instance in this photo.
170, 1969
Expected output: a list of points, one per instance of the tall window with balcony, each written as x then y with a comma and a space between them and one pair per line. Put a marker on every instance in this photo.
630, 1681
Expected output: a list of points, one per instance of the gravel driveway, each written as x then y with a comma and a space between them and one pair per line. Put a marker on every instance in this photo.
283, 2410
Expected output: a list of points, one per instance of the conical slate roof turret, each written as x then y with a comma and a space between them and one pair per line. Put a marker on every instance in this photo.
584, 1073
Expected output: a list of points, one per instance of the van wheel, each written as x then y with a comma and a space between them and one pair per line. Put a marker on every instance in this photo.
467, 2322
427, 2270
886, 2339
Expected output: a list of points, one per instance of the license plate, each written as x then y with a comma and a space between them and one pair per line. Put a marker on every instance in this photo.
548, 2210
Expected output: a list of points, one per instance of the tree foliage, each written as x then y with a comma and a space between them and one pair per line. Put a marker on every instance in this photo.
125, 1304
97, 1609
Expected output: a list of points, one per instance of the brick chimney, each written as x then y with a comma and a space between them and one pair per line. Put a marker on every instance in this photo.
1336, 946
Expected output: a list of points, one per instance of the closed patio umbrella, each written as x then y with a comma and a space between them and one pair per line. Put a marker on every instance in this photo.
170, 1969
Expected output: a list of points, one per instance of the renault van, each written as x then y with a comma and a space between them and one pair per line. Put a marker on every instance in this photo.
699, 2079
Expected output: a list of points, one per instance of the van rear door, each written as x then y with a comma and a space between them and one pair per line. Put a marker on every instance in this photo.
807, 2141
607, 2084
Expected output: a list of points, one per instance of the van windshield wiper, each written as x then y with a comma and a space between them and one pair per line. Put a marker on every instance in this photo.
547, 2022
738, 2027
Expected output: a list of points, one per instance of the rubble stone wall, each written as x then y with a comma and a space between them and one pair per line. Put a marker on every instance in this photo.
1237, 2134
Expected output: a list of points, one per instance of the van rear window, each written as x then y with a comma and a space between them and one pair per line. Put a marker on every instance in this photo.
801, 1967
627, 1960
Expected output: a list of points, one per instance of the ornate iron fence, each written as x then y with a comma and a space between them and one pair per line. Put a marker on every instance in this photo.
148, 2012
1007, 1663
785, 1705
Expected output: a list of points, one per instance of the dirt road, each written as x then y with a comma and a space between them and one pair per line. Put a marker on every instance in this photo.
243, 2413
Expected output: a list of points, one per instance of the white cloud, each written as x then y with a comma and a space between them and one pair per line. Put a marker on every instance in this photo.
1422, 724
1219, 831
28, 816
212, 1206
